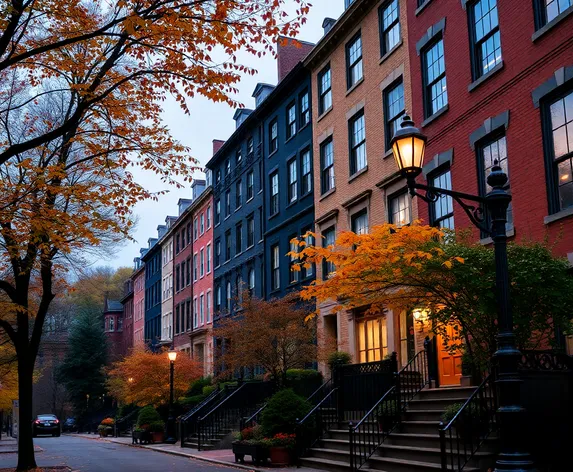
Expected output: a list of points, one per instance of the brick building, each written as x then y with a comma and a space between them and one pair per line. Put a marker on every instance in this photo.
128, 309
361, 87
113, 327
138, 278
152, 261
167, 283
492, 81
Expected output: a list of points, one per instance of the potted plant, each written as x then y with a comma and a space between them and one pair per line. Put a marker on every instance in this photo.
157, 430
281, 447
249, 442
141, 435
387, 414
470, 424
105, 428
143, 431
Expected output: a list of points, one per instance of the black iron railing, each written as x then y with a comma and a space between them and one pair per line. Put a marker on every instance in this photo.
474, 422
317, 422
125, 424
366, 435
545, 361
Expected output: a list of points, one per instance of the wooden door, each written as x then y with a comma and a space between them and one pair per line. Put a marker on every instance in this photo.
449, 364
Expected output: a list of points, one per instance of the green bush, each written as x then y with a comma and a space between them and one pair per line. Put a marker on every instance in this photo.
156, 427
126, 410
338, 358
304, 382
190, 402
196, 387
283, 410
208, 390
147, 415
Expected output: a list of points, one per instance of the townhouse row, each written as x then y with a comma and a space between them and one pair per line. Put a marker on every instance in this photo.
484, 81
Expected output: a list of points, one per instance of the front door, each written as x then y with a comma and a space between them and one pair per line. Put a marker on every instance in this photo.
449, 364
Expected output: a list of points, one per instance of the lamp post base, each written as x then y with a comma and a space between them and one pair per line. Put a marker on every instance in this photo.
171, 437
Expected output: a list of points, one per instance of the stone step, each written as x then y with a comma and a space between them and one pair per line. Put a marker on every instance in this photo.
434, 403
388, 464
339, 444
430, 441
424, 454
424, 415
325, 464
330, 454
446, 392
419, 427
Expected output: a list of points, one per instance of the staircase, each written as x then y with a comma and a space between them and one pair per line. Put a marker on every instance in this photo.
413, 446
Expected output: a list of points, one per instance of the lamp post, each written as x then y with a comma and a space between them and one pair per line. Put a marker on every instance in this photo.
171, 439
408, 146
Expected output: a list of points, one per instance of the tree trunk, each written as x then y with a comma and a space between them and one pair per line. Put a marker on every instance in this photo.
26, 459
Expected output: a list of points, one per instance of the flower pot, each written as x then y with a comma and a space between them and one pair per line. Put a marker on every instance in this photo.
257, 452
157, 437
141, 437
280, 455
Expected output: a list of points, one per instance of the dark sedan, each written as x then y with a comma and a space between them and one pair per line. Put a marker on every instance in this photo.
46, 424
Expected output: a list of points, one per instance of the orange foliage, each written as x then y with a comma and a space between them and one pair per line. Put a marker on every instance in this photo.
143, 377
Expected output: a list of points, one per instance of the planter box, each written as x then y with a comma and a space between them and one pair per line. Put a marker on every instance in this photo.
141, 437
280, 456
158, 437
258, 453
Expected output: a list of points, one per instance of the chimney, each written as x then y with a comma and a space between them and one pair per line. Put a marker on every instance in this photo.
161, 230
197, 188
217, 144
290, 52
261, 92
241, 115
327, 25
183, 204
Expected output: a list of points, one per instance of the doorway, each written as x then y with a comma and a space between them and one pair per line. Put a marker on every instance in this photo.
449, 363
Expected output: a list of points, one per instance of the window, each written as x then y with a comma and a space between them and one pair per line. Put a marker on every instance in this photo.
229, 295
218, 298
202, 262
195, 268
195, 229
359, 222
239, 194
188, 314
304, 109
217, 212
208, 258
357, 138
227, 204
399, 208
177, 248
306, 172
250, 185
274, 193
260, 224
291, 121
251, 279
389, 19
209, 217
177, 319
273, 136
324, 90
111, 323
227, 167
238, 158
393, 110
195, 313
548, 10
228, 245
485, 37
491, 151
309, 240
202, 309
329, 238
442, 210
250, 231
250, 146
177, 278
239, 239
183, 239
275, 268
217, 253
327, 166
208, 311
354, 61
435, 89
292, 181
188, 271
218, 177
372, 340
202, 223
561, 158
293, 274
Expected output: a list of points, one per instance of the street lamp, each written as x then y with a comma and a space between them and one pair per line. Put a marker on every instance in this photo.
172, 355
408, 146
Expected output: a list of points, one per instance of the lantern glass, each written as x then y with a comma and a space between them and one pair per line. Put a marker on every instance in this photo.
172, 355
409, 152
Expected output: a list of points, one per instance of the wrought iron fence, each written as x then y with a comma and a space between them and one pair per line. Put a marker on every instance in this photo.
126, 424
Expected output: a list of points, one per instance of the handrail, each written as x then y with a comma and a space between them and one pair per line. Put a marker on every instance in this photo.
317, 406
121, 420
470, 426
225, 400
197, 407
375, 407
329, 381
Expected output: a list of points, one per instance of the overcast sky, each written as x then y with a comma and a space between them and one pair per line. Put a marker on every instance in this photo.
206, 122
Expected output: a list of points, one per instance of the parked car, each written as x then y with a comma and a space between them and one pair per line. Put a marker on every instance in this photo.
46, 424
69, 426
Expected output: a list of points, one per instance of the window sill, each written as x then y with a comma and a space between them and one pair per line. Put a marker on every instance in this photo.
358, 174
291, 204
238, 254
387, 154
422, 7
476, 83
271, 154
327, 194
238, 208
558, 216
389, 53
227, 217
355, 86
288, 140
435, 116
326, 112
303, 127
486, 241
274, 215
275, 291
552, 24
250, 247
250, 199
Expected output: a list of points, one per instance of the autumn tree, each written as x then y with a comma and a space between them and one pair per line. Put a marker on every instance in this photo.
142, 378
270, 334
81, 91
452, 278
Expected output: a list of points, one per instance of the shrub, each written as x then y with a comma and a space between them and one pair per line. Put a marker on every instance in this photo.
283, 410
338, 358
196, 388
156, 427
103, 427
304, 382
450, 412
208, 390
192, 401
126, 410
147, 415
108, 422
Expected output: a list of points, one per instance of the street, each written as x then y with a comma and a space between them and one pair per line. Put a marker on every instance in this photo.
92, 455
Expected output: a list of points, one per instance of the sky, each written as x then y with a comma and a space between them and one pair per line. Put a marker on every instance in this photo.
207, 121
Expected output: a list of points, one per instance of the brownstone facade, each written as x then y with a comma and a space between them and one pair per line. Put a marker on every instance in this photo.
365, 185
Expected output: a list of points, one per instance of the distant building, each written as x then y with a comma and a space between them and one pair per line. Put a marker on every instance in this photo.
152, 260
128, 309
138, 278
113, 327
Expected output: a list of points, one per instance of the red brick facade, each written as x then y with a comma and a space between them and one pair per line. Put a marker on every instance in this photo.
138, 278
182, 288
289, 53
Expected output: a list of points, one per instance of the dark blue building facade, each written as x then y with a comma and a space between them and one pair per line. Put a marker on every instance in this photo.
289, 201
152, 260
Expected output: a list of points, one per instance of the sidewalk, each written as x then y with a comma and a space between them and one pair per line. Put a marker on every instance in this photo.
219, 457
9, 445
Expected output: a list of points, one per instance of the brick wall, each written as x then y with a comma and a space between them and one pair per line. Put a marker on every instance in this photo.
289, 53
